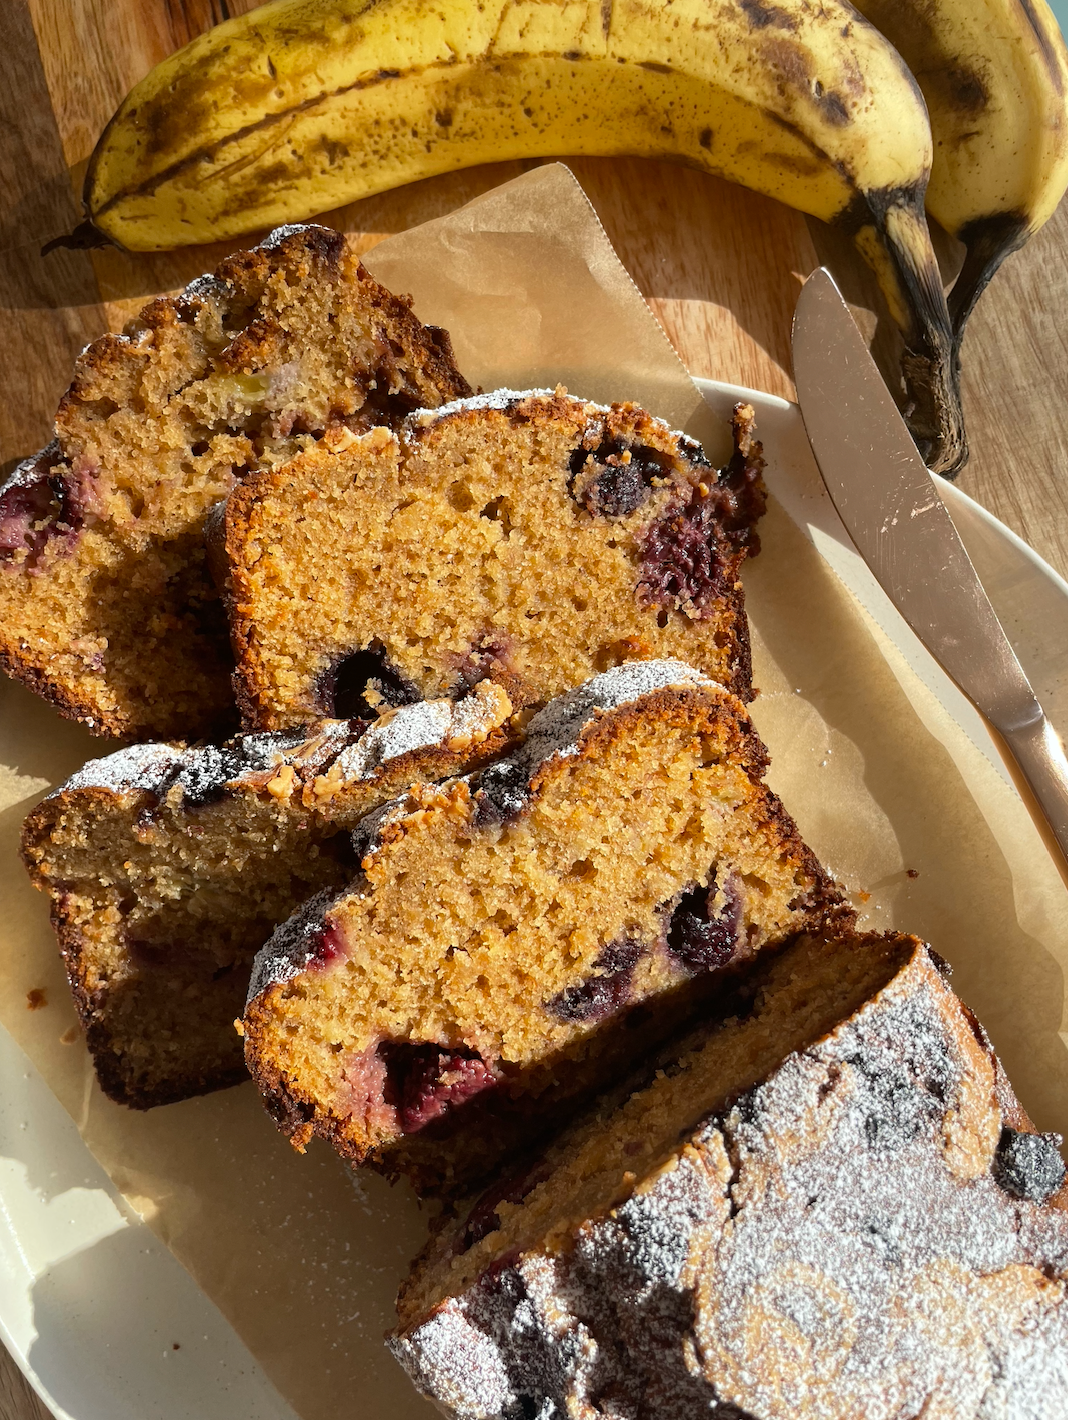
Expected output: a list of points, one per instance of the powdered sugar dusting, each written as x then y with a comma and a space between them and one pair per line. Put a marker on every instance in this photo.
809, 1252
409, 728
28, 472
138, 767
459, 1365
354, 750
506, 400
502, 399
557, 728
287, 953
290, 229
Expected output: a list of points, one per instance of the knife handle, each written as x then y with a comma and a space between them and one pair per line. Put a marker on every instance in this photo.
1036, 761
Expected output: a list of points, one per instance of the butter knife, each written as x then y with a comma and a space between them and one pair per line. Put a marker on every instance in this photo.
893, 511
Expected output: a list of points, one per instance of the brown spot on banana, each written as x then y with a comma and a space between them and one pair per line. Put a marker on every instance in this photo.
792, 62
966, 91
1045, 44
273, 124
761, 15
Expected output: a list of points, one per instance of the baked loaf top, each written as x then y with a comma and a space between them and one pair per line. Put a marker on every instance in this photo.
305, 767
515, 934
529, 536
169, 866
106, 605
832, 1207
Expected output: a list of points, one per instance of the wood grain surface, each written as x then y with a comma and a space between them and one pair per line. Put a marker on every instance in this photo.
719, 266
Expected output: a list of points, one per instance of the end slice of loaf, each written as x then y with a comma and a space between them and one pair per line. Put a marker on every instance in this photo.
168, 868
531, 537
518, 935
831, 1205
107, 608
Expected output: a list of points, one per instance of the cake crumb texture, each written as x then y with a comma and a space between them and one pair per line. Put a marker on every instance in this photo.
168, 867
528, 537
517, 935
107, 608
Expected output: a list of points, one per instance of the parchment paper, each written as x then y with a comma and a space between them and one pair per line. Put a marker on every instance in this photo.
302, 1261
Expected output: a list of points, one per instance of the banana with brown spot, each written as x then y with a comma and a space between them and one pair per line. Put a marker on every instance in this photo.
994, 74
303, 105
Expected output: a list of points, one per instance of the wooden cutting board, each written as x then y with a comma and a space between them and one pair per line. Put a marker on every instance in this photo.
719, 266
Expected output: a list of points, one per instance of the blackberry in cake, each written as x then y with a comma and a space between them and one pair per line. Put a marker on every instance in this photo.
818, 1208
168, 867
107, 608
529, 537
517, 936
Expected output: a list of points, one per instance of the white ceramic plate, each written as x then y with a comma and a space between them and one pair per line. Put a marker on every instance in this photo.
91, 1303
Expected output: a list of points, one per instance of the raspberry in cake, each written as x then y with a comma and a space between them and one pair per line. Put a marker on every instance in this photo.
519, 935
107, 608
531, 537
168, 867
828, 1206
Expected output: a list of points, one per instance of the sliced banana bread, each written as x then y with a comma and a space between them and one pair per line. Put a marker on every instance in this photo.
517, 935
831, 1206
530, 537
106, 605
169, 867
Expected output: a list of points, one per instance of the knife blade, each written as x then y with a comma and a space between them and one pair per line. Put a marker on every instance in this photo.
893, 511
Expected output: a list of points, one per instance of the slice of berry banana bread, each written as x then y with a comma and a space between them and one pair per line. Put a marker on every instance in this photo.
169, 867
515, 936
530, 537
830, 1206
107, 608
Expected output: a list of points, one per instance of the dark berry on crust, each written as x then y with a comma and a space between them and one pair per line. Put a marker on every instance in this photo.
615, 479
502, 794
1029, 1165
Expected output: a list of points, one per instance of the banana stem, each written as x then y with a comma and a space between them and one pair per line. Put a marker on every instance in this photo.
989, 240
85, 237
890, 230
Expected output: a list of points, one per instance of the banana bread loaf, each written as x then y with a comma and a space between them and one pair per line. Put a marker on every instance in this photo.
516, 935
168, 868
106, 605
832, 1207
530, 537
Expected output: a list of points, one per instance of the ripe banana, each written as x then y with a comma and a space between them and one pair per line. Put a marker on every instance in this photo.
303, 105
994, 74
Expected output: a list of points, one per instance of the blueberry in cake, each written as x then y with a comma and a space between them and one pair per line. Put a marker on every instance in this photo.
106, 605
517, 935
168, 867
530, 537
828, 1206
